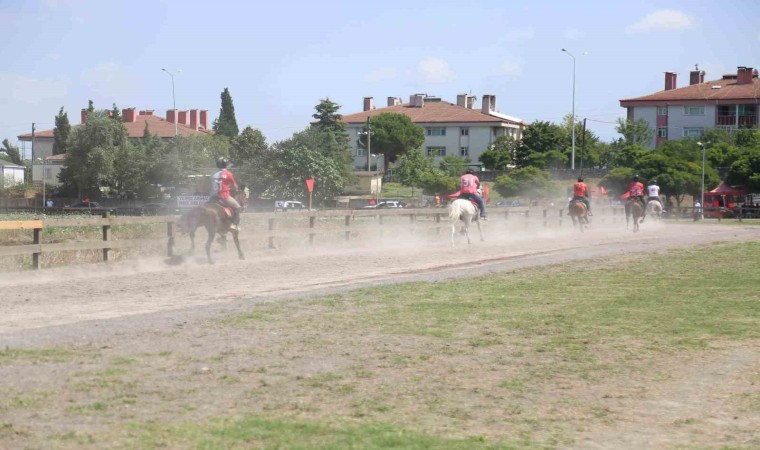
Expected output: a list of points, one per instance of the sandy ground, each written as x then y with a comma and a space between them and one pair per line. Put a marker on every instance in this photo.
148, 305
37, 306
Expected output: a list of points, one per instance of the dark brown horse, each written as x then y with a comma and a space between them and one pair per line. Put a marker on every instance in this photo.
633, 208
579, 214
215, 218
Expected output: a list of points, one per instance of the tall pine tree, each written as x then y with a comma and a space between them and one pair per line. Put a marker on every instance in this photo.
115, 113
61, 133
226, 124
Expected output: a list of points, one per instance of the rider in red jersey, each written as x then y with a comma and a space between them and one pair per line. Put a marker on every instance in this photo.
222, 183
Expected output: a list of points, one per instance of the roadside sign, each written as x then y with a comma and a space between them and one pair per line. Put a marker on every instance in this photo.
310, 184
191, 201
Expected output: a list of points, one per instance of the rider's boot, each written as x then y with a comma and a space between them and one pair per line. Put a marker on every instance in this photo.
235, 220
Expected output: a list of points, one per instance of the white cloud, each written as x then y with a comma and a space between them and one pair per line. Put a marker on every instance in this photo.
109, 80
435, 70
519, 34
572, 34
32, 91
662, 20
511, 67
381, 74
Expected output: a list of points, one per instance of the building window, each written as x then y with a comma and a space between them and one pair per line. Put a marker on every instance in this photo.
464, 151
360, 151
436, 151
436, 131
693, 132
48, 173
693, 110
465, 131
662, 110
662, 132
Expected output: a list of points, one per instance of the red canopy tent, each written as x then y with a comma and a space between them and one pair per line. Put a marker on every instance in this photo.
723, 196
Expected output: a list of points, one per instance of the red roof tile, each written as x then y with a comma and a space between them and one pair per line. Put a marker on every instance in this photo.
431, 112
156, 126
729, 91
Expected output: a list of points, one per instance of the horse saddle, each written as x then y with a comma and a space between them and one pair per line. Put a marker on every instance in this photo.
226, 209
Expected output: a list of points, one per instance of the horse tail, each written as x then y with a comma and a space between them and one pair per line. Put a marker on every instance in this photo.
455, 210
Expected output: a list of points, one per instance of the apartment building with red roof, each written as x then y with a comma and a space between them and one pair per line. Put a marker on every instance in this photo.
729, 103
188, 123
450, 129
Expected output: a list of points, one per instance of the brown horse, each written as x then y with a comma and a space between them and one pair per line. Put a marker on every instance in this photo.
215, 219
579, 214
633, 208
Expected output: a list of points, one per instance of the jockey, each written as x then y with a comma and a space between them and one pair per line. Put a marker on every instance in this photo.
654, 193
468, 188
580, 192
222, 182
636, 192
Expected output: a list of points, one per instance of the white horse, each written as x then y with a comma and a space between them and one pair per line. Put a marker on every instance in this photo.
464, 210
654, 209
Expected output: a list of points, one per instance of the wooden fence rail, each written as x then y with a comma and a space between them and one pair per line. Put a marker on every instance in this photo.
425, 220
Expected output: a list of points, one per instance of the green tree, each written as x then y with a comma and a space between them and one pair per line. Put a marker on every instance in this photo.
226, 124
12, 153
129, 177
116, 113
89, 161
501, 154
250, 152
61, 133
90, 107
393, 135
635, 132
437, 182
336, 142
454, 166
412, 166
746, 170
530, 182
294, 164
540, 138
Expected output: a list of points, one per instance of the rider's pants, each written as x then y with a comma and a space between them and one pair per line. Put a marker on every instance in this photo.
235, 206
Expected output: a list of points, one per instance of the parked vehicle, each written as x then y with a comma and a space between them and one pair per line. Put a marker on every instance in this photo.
391, 204
289, 205
509, 203
87, 208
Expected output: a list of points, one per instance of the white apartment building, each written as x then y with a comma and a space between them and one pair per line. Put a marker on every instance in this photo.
450, 129
729, 103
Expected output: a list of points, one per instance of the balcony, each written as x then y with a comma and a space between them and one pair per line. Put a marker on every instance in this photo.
745, 121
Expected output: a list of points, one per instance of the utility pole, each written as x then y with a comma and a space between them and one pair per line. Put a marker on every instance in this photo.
32, 180
369, 152
583, 143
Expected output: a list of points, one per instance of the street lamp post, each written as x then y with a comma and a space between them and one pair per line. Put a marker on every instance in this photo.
44, 199
174, 103
702, 210
572, 161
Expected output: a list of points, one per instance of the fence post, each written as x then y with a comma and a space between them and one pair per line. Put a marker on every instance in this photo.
312, 224
36, 255
561, 212
545, 221
272, 226
106, 234
527, 219
438, 221
170, 238
506, 215
347, 222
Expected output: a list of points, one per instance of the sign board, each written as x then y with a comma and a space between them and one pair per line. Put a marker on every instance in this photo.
191, 201
310, 184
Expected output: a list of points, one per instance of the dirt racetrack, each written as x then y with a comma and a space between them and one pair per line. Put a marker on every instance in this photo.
41, 307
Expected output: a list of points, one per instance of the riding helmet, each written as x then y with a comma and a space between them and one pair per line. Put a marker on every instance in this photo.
654, 181
470, 171
635, 178
580, 179
222, 162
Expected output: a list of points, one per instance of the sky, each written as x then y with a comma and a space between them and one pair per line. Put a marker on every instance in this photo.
280, 58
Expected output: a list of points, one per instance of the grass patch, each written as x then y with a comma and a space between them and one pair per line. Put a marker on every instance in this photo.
37, 355
255, 432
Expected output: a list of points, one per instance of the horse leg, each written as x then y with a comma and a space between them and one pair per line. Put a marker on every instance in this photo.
467, 229
480, 229
453, 230
237, 243
211, 233
192, 242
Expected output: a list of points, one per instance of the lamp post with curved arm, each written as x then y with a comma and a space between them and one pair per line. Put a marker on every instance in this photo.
174, 102
572, 160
